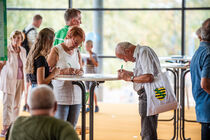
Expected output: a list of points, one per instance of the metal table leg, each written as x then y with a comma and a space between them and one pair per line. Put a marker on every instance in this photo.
177, 96
82, 86
182, 134
92, 88
174, 116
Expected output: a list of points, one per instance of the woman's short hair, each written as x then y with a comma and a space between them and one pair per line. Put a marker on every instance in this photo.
75, 31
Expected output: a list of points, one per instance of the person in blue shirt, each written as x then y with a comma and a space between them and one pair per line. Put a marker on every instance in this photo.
200, 75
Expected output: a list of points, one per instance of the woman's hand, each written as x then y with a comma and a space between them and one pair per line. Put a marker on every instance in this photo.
55, 71
79, 72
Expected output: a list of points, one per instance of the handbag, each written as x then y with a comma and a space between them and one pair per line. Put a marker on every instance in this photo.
160, 95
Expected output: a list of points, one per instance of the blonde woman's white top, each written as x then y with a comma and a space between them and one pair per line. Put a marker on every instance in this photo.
8, 74
65, 92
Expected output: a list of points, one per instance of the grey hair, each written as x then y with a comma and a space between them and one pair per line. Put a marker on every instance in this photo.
41, 97
120, 48
205, 30
198, 32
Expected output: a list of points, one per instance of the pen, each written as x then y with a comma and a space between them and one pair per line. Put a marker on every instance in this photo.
69, 65
121, 68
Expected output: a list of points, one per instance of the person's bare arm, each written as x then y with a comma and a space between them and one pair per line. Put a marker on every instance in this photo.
145, 78
79, 71
53, 57
41, 75
95, 63
205, 84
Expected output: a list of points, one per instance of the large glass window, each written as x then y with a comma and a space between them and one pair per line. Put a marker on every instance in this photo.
159, 29
194, 20
142, 3
197, 3
82, 3
37, 3
130, 3
20, 19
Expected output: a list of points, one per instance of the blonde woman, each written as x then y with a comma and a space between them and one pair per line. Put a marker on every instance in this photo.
37, 68
12, 77
67, 57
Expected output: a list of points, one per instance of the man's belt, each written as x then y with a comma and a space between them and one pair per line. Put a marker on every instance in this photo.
141, 91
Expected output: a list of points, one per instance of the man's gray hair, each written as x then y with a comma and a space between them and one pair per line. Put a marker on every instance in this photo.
205, 30
41, 97
198, 32
120, 48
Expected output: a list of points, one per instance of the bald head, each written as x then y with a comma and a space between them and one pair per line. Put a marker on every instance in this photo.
41, 97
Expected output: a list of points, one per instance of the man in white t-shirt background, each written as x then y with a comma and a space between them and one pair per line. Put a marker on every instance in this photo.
31, 36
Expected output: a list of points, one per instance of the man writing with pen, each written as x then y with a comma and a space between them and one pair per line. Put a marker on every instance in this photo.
144, 72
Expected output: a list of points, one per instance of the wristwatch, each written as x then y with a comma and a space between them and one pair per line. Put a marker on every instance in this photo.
132, 78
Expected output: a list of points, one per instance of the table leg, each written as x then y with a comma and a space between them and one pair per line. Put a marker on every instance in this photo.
178, 100
92, 88
183, 74
174, 116
82, 86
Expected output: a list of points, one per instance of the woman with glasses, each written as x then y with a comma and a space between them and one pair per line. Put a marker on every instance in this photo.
66, 56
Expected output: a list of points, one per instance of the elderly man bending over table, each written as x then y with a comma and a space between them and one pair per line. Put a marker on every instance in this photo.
146, 67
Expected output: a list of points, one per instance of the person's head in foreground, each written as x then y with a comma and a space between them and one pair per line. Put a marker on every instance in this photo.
205, 30
42, 101
41, 125
72, 17
75, 36
125, 51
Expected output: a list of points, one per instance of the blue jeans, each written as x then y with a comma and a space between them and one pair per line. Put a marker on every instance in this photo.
68, 113
205, 131
33, 86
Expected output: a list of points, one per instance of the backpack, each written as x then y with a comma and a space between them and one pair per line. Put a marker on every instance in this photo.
24, 44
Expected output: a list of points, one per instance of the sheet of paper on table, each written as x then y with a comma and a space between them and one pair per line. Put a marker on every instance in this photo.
88, 77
